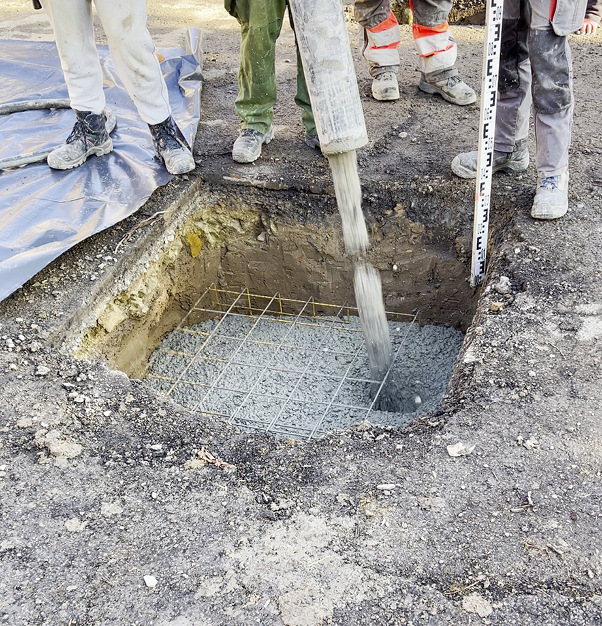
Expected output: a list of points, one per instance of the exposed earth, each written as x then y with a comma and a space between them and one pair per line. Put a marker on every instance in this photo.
117, 506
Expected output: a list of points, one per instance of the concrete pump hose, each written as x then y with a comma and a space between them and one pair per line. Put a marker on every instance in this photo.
328, 65
33, 105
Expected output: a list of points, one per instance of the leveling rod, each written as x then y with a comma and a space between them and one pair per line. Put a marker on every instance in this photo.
491, 65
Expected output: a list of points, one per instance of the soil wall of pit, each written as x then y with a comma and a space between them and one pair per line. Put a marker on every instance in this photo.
269, 241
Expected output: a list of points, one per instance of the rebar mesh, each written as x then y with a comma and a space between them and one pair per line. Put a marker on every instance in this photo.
236, 355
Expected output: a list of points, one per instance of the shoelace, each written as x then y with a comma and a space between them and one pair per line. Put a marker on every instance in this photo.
551, 182
78, 132
166, 138
249, 132
82, 131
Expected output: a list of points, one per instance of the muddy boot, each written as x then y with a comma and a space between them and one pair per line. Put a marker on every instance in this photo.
313, 141
247, 148
171, 147
552, 197
465, 165
89, 136
452, 89
385, 87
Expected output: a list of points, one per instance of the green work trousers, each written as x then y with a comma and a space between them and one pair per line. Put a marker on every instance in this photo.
261, 23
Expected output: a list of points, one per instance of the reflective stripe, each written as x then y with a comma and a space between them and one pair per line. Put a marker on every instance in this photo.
443, 60
390, 22
419, 31
385, 38
428, 46
381, 43
382, 56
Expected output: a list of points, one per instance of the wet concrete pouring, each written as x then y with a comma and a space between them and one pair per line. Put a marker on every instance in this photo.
103, 483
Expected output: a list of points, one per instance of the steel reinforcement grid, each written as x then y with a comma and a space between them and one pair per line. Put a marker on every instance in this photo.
293, 368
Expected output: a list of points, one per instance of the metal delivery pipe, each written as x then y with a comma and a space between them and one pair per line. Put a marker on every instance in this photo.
326, 56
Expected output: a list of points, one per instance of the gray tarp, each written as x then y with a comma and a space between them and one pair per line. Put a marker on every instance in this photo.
44, 212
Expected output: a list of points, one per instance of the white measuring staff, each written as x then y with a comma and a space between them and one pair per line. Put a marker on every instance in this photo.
491, 65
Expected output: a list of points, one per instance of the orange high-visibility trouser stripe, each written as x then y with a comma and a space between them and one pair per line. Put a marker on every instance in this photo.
379, 32
436, 32
386, 24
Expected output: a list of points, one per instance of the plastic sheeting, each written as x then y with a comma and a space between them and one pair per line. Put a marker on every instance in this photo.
44, 212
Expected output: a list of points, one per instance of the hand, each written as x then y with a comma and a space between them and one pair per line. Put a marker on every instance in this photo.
589, 27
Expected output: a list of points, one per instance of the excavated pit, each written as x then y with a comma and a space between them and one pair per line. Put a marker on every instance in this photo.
240, 304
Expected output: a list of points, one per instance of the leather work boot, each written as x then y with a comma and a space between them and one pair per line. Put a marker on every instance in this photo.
247, 148
313, 141
465, 165
452, 89
385, 87
171, 147
89, 136
551, 198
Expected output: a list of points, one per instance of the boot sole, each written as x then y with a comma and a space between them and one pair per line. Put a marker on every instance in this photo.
101, 150
548, 216
252, 158
387, 96
431, 89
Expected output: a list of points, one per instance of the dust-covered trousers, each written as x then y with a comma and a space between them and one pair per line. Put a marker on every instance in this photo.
535, 68
131, 46
436, 47
261, 23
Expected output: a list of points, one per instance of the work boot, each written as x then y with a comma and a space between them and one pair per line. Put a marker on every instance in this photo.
452, 89
313, 141
171, 147
465, 165
385, 87
552, 197
89, 136
247, 148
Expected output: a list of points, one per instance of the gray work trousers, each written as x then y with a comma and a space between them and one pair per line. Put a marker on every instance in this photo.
429, 13
535, 68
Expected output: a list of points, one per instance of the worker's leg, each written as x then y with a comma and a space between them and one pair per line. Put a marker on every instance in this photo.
133, 53
514, 83
381, 35
437, 52
553, 107
71, 22
552, 92
380, 32
513, 98
303, 100
260, 23
434, 42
